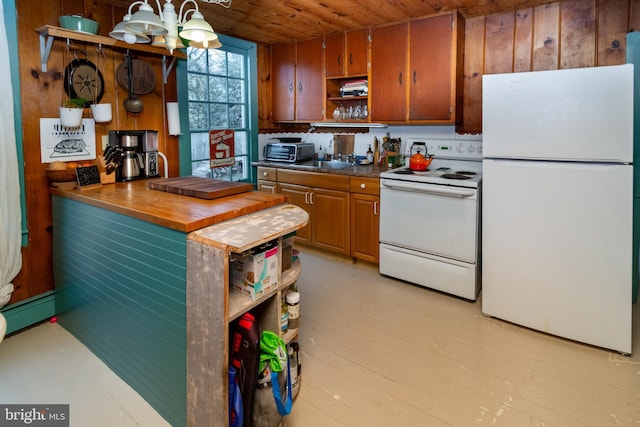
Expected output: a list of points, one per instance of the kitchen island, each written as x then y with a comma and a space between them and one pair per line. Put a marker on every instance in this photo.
142, 280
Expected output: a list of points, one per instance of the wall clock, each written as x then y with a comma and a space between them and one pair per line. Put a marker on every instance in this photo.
82, 79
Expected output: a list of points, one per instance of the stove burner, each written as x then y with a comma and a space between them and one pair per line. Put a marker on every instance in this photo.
466, 173
456, 175
410, 172
443, 169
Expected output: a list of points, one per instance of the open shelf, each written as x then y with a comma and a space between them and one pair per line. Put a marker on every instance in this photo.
49, 32
238, 304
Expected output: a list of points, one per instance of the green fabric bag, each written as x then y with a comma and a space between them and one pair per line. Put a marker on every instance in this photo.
273, 360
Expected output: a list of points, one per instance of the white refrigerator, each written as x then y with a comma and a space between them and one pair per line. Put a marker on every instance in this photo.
557, 202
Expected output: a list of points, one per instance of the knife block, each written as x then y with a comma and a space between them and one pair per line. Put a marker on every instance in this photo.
105, 178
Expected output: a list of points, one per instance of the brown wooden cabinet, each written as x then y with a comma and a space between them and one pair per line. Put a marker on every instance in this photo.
267, 179
365, 219
347, 54
299, 195
432, 68
326, 198
416, 71
388, 83
283, 81
334, 52
297, 81
346, 58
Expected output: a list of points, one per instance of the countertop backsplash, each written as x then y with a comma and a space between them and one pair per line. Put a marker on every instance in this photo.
363, 140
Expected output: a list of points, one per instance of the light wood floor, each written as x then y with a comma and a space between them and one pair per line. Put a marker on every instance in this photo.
374, 352
379, 352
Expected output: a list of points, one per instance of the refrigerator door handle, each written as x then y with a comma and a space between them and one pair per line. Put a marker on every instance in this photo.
544, 164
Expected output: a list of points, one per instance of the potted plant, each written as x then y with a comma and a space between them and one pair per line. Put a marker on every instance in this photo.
71, 112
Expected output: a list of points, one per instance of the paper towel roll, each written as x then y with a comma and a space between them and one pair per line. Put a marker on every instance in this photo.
173, 118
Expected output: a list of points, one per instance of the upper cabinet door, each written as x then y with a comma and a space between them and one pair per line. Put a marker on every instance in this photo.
283, 69
357, 59
388, 83
334, 53
310, 82
431, 68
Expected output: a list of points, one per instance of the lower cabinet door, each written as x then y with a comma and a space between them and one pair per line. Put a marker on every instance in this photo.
330, 217
365, 224
300, 195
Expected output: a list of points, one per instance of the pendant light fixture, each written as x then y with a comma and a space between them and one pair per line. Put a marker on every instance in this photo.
168, 25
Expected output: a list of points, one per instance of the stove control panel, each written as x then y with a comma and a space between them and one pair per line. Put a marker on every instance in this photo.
450, 148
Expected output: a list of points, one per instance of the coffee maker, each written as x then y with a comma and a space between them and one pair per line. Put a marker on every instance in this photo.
140, 153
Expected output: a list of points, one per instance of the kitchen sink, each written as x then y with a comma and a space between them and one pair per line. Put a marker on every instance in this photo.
325, 164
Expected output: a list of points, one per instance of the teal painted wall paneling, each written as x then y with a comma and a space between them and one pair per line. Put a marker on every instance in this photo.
120, 289
11, 25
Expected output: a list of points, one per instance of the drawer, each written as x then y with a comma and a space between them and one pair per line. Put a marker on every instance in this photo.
362, 185
267, 174
314, 179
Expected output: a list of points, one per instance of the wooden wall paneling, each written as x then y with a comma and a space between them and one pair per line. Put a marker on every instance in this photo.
613, 21
578, 35
634, 15
41, 94
546, 32
523, 40
499, 42
264, 86
473, 66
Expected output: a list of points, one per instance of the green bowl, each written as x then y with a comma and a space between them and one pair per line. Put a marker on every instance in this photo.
78, 23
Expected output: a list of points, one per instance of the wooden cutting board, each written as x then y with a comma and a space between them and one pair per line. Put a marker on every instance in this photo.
202, 188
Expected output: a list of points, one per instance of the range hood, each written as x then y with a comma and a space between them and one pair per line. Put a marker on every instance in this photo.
347, 125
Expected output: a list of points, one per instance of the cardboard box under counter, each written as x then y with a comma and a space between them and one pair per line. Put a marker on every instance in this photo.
255, 272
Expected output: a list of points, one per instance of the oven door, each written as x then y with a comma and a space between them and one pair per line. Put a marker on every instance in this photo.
436, 219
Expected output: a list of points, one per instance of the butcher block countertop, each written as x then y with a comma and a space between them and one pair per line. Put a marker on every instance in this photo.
175, 211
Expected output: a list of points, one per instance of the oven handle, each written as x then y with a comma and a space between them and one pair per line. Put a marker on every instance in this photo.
429, 189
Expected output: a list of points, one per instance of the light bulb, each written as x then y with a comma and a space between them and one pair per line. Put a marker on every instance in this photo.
130, 38
205, 43
198, 36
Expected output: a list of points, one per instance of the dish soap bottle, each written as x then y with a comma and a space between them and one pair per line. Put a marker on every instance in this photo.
369, 155
321, 153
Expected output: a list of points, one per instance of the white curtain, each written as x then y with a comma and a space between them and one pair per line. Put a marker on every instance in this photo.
10, 216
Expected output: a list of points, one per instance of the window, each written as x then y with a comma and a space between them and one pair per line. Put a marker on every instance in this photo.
221, 94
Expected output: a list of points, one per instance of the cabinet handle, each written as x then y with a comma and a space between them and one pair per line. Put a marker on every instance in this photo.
414, 76
265, 174
311, 198
375, 208
339, 59
306, 197
350, 58
300, 87
363, 185
290, 87
400, 78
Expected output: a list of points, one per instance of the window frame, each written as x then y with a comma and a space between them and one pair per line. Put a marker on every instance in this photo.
249, 50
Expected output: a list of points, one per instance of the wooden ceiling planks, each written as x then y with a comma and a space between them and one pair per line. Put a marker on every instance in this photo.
268, 22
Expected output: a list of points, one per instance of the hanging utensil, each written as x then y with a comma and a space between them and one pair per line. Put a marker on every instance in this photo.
144, 77
132, 104
83, 79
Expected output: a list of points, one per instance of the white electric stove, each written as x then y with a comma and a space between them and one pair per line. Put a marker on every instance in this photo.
430, 221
